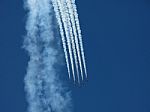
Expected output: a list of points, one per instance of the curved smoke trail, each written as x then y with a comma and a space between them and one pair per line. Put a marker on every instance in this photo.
56, 10
79, 34
70, 29
45, 92
71, 13
68, 21
63, 15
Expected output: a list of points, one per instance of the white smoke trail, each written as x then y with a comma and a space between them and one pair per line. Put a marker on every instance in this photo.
79, 34
58, 17
63, 15
71, 13
44, 89
72, 38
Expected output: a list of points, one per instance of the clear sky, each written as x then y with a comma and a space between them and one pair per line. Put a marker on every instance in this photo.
116, 38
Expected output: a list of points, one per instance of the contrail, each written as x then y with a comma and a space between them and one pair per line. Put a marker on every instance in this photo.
45, 92
72, 39
71, 13
79, 34
63, 14
68, 21
62, 33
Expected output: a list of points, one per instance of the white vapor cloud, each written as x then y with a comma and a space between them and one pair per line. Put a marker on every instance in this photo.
45, 92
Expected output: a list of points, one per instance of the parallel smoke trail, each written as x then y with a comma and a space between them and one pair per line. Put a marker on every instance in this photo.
72, 39
63, 14
79, 34
44, 89
61, 33
71, 13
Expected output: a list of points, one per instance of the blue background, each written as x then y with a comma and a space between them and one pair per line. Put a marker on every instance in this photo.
116, 40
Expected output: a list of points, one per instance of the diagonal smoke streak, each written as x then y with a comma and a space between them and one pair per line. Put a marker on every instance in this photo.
58, 17
63, 15
68, 18
72, 39
71, 13
42, 84
79, 34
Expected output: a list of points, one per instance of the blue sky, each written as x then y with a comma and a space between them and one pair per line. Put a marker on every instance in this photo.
116, 39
